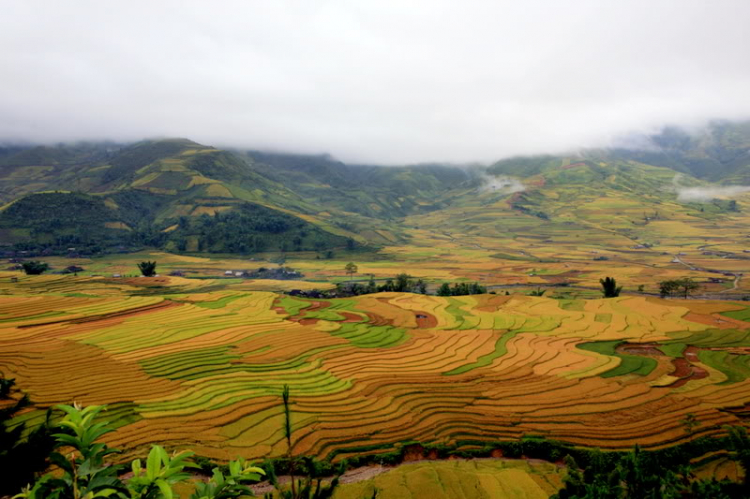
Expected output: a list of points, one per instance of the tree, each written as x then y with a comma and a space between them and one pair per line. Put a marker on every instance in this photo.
538, 292
609, 287
687, 286
403, 283
351, 269
667, 288
444, 289
148, 269
34, 267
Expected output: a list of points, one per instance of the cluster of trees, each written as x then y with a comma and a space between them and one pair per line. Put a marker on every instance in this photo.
646, 475
678, 287
461, 289
402, 283
34, 267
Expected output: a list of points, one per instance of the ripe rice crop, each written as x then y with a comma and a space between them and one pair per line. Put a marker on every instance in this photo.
205, 370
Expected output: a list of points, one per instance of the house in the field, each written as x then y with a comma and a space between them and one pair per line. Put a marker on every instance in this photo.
228, 272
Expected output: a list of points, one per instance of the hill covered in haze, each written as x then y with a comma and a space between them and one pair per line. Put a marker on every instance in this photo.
178, 195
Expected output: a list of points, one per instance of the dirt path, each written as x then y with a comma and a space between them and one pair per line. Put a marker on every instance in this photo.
737, 275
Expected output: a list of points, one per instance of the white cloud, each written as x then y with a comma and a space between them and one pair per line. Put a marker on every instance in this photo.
501, 184
706, 194
371, 81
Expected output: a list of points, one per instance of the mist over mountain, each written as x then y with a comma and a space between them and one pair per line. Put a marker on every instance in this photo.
179, 195
371, 82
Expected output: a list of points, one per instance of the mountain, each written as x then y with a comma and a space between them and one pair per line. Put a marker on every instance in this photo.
718, 153
178, 195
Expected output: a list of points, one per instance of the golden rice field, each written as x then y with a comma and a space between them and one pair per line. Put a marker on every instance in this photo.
188, 364
475, 479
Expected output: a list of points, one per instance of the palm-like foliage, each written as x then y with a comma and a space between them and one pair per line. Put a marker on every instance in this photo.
148, 269
610, 288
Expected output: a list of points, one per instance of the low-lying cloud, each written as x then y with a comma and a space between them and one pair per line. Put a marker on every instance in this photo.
501, 184
706, 194
702, 193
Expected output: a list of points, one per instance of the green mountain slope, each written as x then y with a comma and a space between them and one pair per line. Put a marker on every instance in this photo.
178, 195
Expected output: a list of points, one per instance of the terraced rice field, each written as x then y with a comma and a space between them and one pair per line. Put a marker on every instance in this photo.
203, 369
476, 479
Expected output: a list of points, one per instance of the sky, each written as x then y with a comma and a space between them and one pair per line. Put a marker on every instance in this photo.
380, 81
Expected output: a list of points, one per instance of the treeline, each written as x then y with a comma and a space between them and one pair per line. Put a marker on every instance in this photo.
402, 283
461, 289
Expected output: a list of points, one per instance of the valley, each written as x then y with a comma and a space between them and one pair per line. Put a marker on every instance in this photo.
252, 294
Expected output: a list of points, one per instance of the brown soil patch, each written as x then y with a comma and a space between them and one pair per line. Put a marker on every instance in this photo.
686, 370
639, 349
413, 453
425, 320
350, 317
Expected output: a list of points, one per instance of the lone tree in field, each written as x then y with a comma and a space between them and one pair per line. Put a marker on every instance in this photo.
34, 267
148, 269
351, 269
609, 287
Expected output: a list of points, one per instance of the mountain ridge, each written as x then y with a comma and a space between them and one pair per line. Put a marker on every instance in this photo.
178, 195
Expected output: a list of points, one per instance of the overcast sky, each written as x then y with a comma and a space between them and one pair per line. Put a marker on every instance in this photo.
371, 81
